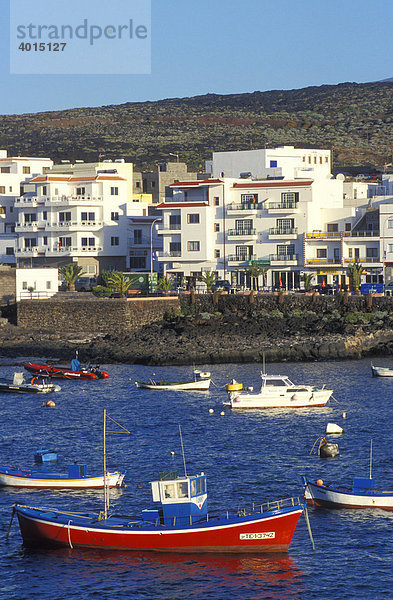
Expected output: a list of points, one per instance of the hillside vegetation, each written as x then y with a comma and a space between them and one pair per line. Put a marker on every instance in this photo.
354, 120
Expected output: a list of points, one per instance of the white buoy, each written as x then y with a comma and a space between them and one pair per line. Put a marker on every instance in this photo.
333, 428
344, 415
222, 413
211, 410
172, 453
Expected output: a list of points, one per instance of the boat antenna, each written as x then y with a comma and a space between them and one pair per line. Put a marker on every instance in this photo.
182, 451
106, 489
371, 457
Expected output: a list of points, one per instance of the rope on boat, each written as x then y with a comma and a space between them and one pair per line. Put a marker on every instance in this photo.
9, 526
69, 534
333, 398
309, 527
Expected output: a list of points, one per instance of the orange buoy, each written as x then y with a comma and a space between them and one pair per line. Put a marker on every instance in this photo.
319, 482
50, 403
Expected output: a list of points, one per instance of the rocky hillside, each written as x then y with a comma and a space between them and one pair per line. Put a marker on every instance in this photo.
354, 120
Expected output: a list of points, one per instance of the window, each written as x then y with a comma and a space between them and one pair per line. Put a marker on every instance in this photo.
193, 218
44, 215
174, 247
347, 226
2, 189
336, 254
216, 200
24, 285
243, 225
30, 242
320, 160
243, 252
45, 242
3, 210
284, 250
48, 285
9, 251
26, 170
137, 262
46, 169
288, 199
216, 227
390, 247
137, 236
321, 252
114, 216
371, 252
273, 163
5, 170
174, 222
44, 190
285, 225
65, 242
64, 217
390, 223
80, 191
153, 184
114, 191
138, 184
332, 227
193, 246
216, 254
10, 188
30, 217
114, 241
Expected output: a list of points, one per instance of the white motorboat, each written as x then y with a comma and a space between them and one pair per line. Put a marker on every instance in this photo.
381, 371
277, 391
201, 382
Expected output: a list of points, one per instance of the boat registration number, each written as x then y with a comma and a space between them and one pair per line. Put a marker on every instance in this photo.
258, 536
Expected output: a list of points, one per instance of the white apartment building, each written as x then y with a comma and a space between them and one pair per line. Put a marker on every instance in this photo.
15, 172
68, 218
290, 225
284, 162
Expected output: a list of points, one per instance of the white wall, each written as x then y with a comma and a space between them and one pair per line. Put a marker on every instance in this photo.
44, 281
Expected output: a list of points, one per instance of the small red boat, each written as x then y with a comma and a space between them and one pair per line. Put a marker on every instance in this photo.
74, 372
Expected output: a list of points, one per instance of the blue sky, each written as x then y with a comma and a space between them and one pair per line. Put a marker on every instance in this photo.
224, 47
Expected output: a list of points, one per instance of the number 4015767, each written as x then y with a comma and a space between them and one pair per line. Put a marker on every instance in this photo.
42, 46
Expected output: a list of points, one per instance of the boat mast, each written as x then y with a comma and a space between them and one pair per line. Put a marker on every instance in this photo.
182, 450
371, 457
106, 494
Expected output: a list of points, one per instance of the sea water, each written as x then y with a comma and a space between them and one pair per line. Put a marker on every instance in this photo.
248, 456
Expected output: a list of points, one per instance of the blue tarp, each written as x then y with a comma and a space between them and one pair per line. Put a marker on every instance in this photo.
75, 365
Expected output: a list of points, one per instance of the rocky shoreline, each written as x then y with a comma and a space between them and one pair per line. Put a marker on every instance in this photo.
165, 344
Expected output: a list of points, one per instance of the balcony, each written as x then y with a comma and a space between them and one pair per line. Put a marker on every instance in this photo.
170, 229
326, 235
250, 207
29, 227
239, 258
71, 200
363, 234
283, 259
282, 207
29, 201
324, 261
169, 254
30, 252
245, 233
283, 233
73, 225
364, 260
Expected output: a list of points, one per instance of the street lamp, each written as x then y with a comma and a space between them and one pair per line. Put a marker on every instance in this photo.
176, 154
151, 253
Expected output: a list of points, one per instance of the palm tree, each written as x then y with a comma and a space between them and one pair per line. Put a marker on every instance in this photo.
254, 271
355, 270
307, 280
120, 282
70, 274
208, 277
164, 285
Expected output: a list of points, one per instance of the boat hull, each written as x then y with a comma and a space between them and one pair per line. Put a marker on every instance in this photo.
287, 400
63, 373
266, 533
200, 386
34, 480
330, 497
27, 389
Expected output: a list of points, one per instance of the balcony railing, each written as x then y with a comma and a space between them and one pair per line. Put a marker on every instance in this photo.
175, 227
170, 253
364, 233
283, 230
282, 205
241, 258
323, 261
363, 260
244, 206
283, 257
242, 231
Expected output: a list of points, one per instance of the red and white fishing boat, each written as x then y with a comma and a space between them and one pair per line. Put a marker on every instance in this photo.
181, 523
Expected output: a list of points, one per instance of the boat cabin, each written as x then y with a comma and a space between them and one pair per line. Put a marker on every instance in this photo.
183, 499
363, 484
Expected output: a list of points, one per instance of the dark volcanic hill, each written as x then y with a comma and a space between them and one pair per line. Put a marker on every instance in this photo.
354, 120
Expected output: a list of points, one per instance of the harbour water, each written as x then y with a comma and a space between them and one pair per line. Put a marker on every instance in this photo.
251, 456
